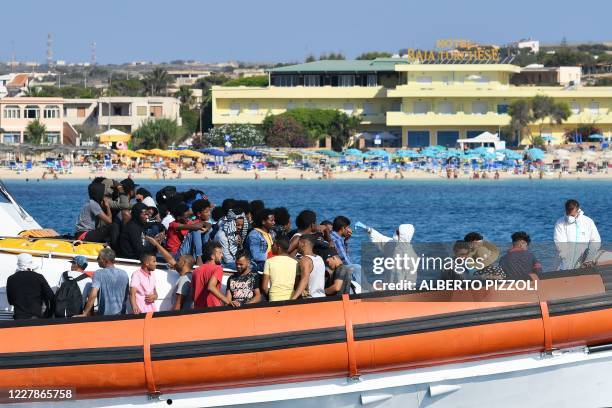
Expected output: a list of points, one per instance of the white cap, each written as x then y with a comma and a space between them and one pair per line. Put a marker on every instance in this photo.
149, 202
25, 262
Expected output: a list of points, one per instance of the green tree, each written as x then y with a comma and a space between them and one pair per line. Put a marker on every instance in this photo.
242, 135
260, 80
310, 58
373, 55
157, 133
35, 132
332, 56
35, 91
285, 131
126, 87
520, 118
185, 95
190, 118
541, 108
156, 82
343, 127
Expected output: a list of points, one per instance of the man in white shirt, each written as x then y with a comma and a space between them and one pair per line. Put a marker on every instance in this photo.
576, 237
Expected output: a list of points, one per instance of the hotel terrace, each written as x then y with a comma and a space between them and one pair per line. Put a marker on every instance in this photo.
414, 104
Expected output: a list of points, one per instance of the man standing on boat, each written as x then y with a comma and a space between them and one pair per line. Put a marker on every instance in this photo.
109, 286
576, 237
28, 291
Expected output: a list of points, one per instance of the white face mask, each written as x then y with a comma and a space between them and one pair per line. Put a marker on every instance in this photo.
570, 219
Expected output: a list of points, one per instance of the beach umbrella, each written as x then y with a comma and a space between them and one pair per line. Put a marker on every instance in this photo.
547, 138
214, 152
328, 153
406, 153
190, 153
377, 153
144, 151
127, 153
596, 136
354, 152
535, 153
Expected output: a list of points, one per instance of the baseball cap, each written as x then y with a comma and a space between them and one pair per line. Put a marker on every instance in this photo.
80, 260
326, 253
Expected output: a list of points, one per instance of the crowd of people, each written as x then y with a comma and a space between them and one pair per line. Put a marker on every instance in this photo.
270, 260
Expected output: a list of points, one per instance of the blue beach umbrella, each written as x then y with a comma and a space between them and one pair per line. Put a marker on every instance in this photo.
535, 153
353, 152
377, 153
214, 152
596, 136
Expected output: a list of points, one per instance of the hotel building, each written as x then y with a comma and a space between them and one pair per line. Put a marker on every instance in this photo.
417, 104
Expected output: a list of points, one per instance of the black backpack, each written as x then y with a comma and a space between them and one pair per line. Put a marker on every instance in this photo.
68, 298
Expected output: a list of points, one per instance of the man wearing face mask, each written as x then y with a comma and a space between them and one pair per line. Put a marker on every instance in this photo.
576, 237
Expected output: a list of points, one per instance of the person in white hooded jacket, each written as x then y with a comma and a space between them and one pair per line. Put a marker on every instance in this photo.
576, 237
403, 237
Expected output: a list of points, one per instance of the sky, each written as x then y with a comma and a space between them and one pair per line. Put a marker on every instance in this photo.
281, 31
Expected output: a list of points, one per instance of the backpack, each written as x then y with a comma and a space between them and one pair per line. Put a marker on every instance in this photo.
68, 298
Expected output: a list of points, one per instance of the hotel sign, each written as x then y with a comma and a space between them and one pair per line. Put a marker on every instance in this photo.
452, 50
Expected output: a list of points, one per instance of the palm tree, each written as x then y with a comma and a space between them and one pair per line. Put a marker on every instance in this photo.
541, 108
559, 113
185, 95
156, 82
35, 131
33, 92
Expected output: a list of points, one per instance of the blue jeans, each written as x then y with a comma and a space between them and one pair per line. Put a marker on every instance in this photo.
192, 244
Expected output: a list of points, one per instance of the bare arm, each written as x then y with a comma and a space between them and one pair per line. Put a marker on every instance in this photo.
195, 226
265, 284
93, 294
335, 287
135, 308
293, 245
163, 251
305, 269
178, 303
212, 288
106, 216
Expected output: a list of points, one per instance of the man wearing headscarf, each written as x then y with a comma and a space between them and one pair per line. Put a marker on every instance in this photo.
28, 291
231, 236
398, 244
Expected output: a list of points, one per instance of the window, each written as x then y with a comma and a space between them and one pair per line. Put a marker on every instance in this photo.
575, 108
348, 108
368, 109
418, 138
479, 108
482, 79
141, 110
31, 112
310, 105
12, 112
51, 112
312, 80
291, 105
425, 80
446, 80
594, 108
346, 80
372, 80
156, 111
421, 108
11, 138
445, 108
396, 106
234, 109
285, 80
253, 109
53, 137
502, 108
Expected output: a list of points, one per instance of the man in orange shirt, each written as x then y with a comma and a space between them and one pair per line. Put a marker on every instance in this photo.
207, 278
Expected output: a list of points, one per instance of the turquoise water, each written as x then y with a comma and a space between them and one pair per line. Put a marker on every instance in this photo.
441, 210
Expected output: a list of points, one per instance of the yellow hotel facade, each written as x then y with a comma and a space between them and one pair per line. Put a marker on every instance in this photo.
417, 104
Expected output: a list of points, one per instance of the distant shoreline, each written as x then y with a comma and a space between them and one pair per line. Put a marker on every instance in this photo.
81, 173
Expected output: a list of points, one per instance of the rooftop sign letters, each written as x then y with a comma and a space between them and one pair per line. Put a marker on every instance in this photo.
455, 51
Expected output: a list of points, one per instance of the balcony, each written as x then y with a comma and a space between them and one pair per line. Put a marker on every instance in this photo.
456, 119
299, 92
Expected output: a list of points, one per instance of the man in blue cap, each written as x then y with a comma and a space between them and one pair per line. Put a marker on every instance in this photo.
77, 269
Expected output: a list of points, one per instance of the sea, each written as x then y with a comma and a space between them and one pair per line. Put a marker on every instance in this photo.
440, 210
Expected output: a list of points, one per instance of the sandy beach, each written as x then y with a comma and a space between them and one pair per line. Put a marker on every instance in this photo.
290, 174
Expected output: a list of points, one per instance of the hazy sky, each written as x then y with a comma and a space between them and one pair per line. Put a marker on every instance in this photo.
281, 30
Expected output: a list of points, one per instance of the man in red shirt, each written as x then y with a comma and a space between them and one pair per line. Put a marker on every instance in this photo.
206, 279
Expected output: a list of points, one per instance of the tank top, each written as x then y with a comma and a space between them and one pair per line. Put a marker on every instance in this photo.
316, 281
